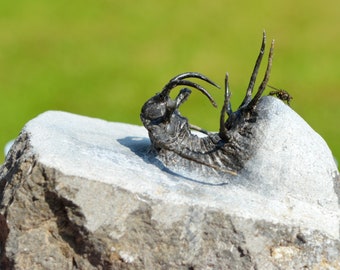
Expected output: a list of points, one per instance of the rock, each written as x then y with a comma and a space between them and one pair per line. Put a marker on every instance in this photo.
83, 193
8, 147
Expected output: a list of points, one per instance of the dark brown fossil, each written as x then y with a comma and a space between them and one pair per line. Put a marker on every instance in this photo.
226, 151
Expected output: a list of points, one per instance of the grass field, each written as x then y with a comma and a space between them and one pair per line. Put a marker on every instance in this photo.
104, 58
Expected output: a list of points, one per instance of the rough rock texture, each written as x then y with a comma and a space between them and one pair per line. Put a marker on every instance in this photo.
82, 193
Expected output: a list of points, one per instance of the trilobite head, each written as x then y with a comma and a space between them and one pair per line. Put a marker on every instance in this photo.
156, 108
161, 107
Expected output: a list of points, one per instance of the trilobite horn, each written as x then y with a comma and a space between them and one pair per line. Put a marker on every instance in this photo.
179, 80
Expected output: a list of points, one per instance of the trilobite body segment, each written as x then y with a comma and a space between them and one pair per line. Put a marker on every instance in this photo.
224, 152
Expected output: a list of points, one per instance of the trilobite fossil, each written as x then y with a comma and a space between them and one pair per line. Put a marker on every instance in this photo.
225, 151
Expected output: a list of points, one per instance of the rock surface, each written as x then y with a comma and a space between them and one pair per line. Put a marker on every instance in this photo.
83, 193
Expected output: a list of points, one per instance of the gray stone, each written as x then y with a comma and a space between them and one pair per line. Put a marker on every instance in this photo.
83, 193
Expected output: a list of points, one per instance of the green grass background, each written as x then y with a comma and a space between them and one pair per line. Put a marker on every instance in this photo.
104, 58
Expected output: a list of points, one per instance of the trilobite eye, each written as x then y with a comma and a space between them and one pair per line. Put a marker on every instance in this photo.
154, 111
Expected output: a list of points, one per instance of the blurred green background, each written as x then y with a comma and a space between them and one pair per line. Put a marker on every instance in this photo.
104, 58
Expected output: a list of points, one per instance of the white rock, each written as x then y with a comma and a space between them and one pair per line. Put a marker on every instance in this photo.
95, 179
292, 174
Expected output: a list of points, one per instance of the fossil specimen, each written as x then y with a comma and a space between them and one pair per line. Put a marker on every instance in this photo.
225, 151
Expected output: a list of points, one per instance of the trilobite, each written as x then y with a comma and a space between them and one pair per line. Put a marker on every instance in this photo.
225, 151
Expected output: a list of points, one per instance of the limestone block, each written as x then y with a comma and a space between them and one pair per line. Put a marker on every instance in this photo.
83, 193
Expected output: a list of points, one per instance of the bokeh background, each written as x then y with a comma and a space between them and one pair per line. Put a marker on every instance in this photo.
104, 58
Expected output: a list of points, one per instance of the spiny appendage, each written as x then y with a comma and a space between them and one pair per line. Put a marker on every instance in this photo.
180, 80
248, 104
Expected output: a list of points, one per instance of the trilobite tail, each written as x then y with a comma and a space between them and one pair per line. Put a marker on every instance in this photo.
226, 109
248, 104
265, 80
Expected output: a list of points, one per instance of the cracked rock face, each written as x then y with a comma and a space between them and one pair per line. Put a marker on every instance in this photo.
82, 193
